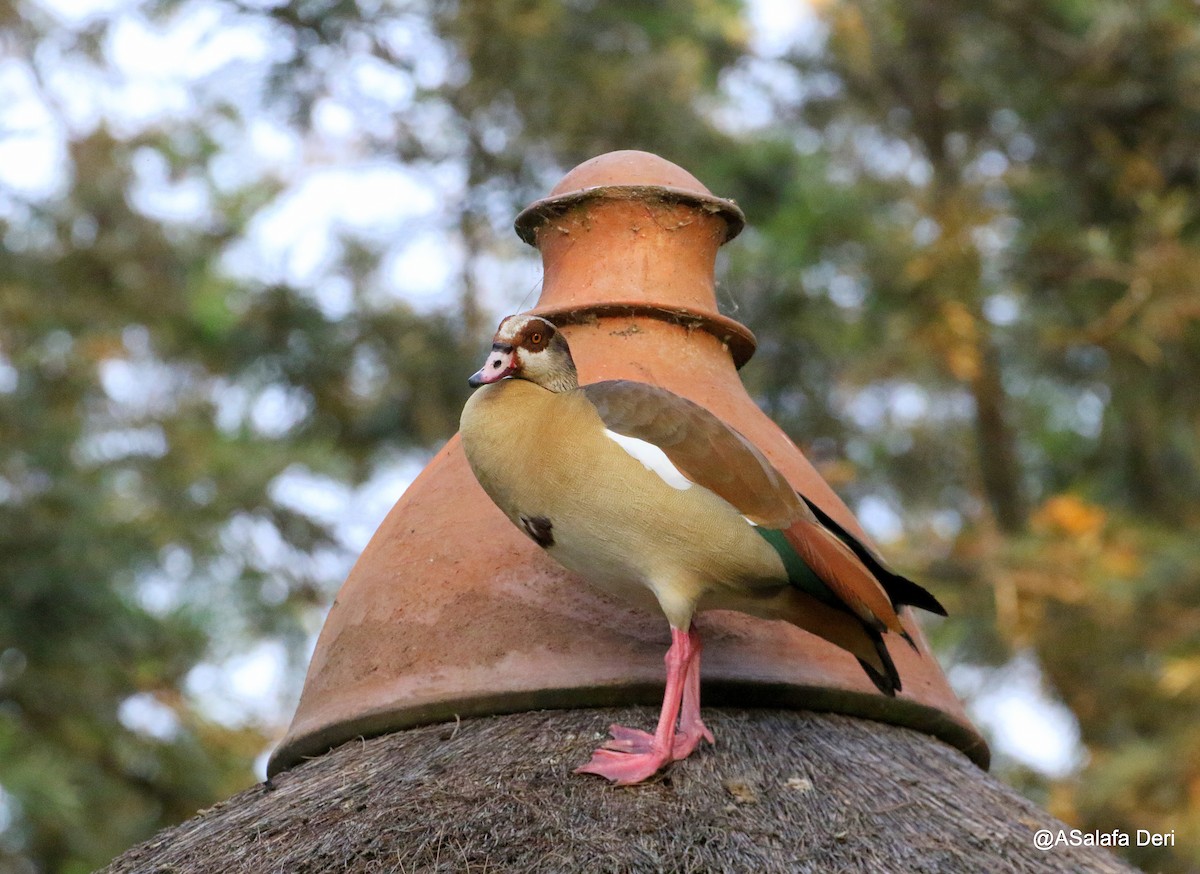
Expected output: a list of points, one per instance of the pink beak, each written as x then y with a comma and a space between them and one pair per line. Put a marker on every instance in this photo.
501, 362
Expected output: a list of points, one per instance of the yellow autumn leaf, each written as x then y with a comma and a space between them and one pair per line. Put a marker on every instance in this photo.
1069, 514
1179, 675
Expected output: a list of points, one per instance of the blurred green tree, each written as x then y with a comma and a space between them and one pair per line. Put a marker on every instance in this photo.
153, 398
976, 284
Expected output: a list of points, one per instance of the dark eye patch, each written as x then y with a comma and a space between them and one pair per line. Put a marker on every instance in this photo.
536, 337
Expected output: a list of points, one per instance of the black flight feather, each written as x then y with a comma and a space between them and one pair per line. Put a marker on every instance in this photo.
888, 681
900, 589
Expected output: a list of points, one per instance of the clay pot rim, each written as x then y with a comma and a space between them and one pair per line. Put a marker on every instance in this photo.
736, 337
541, 211
316, 740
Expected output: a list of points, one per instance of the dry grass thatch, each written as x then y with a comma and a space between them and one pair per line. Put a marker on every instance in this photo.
781, 792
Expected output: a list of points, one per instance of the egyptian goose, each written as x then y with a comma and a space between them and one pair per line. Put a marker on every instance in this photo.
649, 496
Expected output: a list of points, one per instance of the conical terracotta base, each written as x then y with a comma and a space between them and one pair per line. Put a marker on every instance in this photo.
451, 611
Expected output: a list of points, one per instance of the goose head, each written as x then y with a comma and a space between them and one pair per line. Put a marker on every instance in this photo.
531, 348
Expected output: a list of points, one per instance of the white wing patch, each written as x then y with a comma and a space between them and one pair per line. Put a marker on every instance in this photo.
652, 458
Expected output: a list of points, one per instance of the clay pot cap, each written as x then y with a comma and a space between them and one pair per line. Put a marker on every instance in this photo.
626, 175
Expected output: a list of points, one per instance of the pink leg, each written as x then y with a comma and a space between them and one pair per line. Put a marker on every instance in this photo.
632, 755
691, 728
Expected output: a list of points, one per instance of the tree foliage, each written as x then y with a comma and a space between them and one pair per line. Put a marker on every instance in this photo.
973, 236
992, 315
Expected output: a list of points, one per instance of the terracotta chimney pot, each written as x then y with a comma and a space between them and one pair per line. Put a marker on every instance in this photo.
438, 619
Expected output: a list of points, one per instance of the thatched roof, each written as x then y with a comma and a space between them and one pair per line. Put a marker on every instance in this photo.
782, 791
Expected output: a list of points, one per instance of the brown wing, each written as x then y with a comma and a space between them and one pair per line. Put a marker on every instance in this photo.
706, 450
715, 456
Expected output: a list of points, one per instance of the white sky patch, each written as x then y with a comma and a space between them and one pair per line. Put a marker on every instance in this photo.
1089, 411
149, 65
321, 498
76, 85
278, 409
652, 458
777, 27
106, 447
908, 404
847, 291
294, 239
141, 386
32, 145
9, 377
144, 714
373, 499
243, 689
903, 405
926, 231
265, 150
1022, 720
759, 83
414, 45
77, 13
879, 519
203, 50
509, 281
333, 120
1001, 309
8, 810
423, 270
231, 403
156, 195
750, 92
354, 513
167, 587
946, 524
335, 297
867, 408
382, 82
